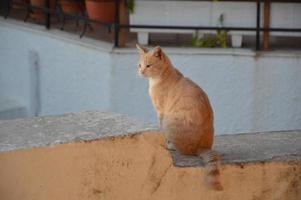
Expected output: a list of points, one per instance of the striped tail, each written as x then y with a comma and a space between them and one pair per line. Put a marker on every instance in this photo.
212, 173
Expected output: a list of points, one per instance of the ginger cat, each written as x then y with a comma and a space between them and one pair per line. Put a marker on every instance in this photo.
183, 110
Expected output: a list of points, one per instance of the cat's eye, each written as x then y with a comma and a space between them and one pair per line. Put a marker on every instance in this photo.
147, 66
139, 65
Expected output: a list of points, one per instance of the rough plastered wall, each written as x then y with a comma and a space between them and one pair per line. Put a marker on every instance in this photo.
134, 167
126, 166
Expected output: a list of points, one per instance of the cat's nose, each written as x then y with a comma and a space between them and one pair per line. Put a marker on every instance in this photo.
141, 72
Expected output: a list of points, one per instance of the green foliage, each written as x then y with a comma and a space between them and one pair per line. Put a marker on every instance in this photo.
208, 42
217, 40
221, 37
130, 5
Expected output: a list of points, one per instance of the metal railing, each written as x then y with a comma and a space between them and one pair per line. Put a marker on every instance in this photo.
116, 26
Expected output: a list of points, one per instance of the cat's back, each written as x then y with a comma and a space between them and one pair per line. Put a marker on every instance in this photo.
187, 90
189, 87
189, 100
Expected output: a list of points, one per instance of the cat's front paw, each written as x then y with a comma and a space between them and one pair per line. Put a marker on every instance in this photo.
170, 146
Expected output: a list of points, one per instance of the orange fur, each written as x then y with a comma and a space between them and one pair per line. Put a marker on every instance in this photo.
183, 110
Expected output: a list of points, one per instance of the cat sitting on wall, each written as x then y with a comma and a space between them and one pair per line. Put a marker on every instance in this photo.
183, 109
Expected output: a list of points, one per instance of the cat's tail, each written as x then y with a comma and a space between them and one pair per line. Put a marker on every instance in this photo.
212, 173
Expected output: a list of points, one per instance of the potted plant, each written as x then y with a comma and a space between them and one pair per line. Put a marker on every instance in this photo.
102, 10
20, 6
72, 6
217, 40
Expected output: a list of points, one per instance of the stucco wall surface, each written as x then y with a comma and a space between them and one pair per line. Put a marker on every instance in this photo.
94, 155
135, 167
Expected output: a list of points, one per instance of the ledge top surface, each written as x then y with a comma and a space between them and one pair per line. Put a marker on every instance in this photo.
84, 126
251, 147
57, 129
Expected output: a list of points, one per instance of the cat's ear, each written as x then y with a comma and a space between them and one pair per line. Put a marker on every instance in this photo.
157, 52
141, 49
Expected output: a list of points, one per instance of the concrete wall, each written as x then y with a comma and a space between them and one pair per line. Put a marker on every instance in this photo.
96, 156
135, 168
51, 75
52, 72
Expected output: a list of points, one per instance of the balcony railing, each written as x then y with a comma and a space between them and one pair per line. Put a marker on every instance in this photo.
117, 26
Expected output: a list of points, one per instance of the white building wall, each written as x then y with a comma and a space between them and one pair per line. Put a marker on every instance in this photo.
249, 92
72, 76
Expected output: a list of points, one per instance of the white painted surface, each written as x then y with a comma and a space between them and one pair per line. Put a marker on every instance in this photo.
64, 65
236, 40
143, 37
207, 13
248, 92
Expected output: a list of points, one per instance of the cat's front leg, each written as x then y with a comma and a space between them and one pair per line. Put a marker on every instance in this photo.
160, 119
169, 144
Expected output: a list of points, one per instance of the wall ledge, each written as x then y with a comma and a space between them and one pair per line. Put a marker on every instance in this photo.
58, 129
279, 146
91, 125
109, 47
74, 39
109, 156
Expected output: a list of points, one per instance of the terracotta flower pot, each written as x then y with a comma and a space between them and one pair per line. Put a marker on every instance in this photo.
40, 15
101, 10
20, 6
73, 7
